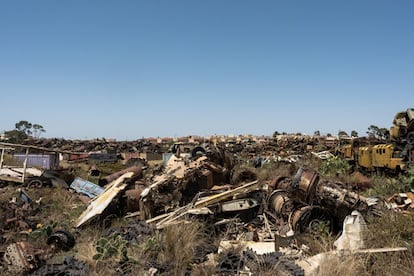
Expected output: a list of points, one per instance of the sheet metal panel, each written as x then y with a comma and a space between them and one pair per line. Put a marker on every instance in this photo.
44, 161
85, 187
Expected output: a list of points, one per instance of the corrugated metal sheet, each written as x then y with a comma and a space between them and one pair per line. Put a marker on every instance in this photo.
44, 161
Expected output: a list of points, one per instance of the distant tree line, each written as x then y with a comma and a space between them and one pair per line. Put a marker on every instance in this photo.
23, 130
372, 132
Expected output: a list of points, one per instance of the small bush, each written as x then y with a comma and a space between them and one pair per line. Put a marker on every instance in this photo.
335, 166
383, 186
115, 247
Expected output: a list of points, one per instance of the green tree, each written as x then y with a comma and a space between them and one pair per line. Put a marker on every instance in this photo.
384, 133
378, 133
354, 133
38, 130
25, 127
342, 133
317, 133
23, 130
15, 136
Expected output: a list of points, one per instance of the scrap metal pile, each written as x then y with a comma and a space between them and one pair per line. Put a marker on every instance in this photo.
19, 218
199, 189
202, 187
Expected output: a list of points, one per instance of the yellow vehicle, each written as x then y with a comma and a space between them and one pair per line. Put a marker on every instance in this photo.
365, 158
386, 158
346, 151
403, 127
380, 158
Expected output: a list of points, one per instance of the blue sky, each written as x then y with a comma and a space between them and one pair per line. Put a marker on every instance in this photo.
132, 69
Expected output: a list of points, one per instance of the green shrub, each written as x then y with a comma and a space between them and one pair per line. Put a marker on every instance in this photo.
335, 166
115, 247
383, 186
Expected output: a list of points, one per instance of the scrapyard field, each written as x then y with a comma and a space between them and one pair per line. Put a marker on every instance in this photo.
288, 206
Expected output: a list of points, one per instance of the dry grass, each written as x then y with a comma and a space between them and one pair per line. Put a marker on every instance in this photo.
173, 248
395, 263
274, 169
391, 230
349, 265
58, 205
317, 243
180, 243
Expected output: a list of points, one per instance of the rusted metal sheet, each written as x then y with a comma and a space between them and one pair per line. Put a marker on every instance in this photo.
99, 204
129, 155
132, 199
136, 170
78, 157
151, 156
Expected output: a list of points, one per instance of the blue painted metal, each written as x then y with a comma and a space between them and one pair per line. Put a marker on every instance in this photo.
85, 187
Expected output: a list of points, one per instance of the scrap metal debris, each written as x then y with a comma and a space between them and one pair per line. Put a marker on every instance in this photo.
21, 257
182, 179
70, 266
99, 204
86, 187
202, 183
401, 202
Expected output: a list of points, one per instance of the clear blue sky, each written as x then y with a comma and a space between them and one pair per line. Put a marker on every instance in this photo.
132, 69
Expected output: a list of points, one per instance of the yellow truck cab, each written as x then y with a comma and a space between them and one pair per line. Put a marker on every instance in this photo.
384, 157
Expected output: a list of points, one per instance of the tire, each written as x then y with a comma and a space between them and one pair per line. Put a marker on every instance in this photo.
62, 239
197, 151
35, 184
410, 138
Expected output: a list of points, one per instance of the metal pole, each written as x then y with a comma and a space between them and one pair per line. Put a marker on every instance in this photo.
2, 158
25, 164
